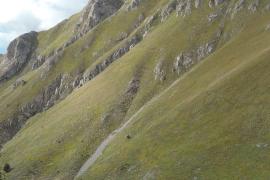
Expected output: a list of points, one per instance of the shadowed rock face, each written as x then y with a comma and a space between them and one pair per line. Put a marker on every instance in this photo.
46, 99
1, 58
95, 12
18, 54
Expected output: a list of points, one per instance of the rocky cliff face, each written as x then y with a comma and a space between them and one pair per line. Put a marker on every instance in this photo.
95, 12
1, 58
19, 53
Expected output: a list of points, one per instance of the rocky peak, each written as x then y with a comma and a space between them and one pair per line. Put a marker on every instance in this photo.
22, 46
18, 54
95, 12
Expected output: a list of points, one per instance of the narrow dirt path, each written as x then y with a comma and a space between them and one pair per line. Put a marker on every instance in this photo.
107, 141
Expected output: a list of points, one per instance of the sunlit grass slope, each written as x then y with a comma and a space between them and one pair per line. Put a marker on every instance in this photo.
78, 56
210, 123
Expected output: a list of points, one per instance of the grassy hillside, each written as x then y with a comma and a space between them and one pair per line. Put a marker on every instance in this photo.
98, 41
55, 37
209, 122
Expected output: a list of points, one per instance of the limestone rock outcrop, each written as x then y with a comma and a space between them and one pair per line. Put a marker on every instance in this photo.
167, 10
254, 6
197, 3
185, 60
91, 73
184, 8
50, 95
38, 62
19, 52
95, 12
213, 3
159, 71
133, 4
239, 5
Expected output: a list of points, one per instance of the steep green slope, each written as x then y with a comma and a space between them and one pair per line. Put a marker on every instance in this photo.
206, 121
54, 38
211, 124
75, 58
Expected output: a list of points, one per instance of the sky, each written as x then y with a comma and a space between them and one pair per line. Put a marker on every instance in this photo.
21, 16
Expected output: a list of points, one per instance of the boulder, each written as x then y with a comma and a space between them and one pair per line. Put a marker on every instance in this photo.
7, 168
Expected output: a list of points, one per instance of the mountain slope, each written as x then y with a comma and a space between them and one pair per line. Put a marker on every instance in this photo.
217, 130
190, 77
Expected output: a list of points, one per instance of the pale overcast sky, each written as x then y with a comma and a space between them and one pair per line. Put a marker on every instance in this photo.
21, 16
